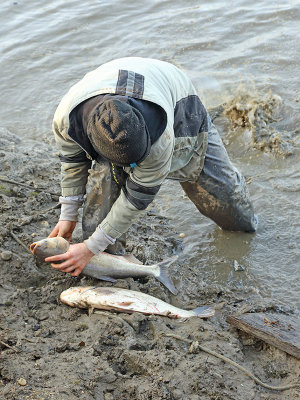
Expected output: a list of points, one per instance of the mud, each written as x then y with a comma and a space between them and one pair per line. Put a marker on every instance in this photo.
52, 351
260, 114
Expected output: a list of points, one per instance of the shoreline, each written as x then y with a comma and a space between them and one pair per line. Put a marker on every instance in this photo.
63, 353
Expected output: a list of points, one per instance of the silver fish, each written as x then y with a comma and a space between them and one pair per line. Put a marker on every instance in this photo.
106, 266
129, 301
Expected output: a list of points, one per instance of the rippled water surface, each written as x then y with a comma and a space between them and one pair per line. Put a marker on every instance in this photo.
47, 46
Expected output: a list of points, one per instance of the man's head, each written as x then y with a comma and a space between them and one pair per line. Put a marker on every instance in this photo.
118, 132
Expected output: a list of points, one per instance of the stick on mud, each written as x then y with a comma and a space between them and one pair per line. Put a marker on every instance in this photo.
27, 186
234, 364
9, 347
20, 242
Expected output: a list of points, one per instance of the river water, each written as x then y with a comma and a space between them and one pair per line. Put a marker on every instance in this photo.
245, 49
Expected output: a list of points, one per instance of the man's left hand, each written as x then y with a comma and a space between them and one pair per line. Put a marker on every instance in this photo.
74, 260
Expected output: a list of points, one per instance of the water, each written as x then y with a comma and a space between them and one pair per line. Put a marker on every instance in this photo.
47, 47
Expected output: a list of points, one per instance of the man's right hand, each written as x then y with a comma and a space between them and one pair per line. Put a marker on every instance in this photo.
64, 229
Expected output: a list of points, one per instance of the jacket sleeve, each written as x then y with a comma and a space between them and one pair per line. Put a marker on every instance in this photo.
141, 187
74, 165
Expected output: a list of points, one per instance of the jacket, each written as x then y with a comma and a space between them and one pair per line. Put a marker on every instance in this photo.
177, 154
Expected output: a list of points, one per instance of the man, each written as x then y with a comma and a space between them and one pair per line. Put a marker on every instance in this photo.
141, 121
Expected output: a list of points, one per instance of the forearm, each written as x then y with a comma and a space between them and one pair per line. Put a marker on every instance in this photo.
120, 218
74, 178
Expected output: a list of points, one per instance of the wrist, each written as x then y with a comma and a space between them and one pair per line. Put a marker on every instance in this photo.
98, 241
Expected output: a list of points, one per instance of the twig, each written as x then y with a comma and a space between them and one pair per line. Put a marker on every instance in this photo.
9, 347
27, 186
19, 241
58, 205
234, 364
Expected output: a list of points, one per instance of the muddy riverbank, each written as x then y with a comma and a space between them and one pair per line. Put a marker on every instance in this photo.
51, 351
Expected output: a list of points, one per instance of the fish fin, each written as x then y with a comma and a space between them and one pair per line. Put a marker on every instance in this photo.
164, 274
90, 311
204, 311
107, 279
132, 258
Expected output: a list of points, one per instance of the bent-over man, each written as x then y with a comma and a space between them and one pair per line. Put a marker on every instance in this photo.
136, 122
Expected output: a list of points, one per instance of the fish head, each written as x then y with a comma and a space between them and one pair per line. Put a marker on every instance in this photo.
49, 247
73, 296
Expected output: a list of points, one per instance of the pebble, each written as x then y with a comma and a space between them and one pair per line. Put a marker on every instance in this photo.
22, 382
33, 234
6, 255
237, 266
45, 224
43, 317
194, 347
182, 235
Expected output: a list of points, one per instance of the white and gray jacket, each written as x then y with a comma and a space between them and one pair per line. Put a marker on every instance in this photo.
177, 154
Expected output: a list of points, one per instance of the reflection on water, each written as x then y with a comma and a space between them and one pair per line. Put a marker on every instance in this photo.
47, 47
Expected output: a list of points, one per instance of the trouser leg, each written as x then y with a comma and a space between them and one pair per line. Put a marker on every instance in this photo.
220, 192
101, 193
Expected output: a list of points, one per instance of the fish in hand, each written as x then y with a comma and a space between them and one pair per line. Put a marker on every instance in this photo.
106, 266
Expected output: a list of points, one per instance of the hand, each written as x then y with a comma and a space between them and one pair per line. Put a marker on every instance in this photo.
74, 260
64, 229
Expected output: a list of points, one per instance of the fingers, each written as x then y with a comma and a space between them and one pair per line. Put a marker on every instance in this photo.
77, 272
73, 270
58, 257
63, 265
63, 229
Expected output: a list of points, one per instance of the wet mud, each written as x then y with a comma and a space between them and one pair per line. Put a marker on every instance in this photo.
52, 351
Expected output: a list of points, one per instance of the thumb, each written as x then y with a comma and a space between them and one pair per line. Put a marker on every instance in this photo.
54, 232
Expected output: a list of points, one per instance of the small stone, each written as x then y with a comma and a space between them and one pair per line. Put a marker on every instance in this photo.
33, 234
237, 266
45, 224
43, 317
6, 255
182, 235
22, 382
194, 347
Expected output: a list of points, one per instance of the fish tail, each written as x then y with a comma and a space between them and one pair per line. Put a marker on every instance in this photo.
163, 276
203, 312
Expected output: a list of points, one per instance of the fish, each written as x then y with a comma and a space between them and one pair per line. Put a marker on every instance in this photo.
106, 266
129, 301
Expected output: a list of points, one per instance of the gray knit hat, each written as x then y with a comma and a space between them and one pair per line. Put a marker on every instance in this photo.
118, 132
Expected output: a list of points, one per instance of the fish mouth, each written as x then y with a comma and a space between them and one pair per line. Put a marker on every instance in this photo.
33, 248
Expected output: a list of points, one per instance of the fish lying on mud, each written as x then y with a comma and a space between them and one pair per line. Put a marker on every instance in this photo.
128, 301
106, 266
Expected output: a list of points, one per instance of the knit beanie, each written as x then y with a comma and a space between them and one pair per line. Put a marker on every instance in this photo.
118, 132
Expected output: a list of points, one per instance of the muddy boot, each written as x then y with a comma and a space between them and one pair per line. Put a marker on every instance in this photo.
101, 193
220, 192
